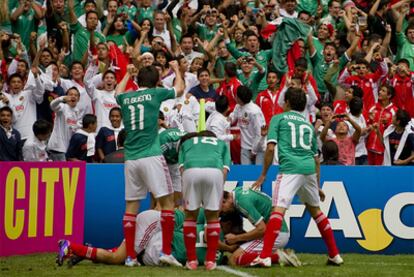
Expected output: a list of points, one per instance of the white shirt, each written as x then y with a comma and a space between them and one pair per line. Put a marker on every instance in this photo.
67, 122
190, 81
360, 148
250, 119
311, 99
34, 150
165, 34
82, 21
23, 105
219, 125
181, 114
191, 56
85, 103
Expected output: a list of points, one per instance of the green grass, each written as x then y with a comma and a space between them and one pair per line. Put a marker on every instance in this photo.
355, 265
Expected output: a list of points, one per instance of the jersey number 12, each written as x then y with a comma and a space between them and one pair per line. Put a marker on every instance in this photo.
132, 110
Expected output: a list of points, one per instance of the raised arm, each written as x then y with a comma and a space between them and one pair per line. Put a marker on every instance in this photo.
179, 84
72, 16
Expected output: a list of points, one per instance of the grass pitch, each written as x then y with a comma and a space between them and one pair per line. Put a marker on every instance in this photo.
314, 265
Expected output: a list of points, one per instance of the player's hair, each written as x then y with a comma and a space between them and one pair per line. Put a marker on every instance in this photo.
115, 109
301, 62
235, 220
403, 116
73, 88
14, 75
148, 77
186, 137
355, 106
41, 127
244, 94
230, 69
357, 91
121, 138
206, 133
161, 115
296, 98
222, 104
6, 109
330, 152
88, 120
390, 90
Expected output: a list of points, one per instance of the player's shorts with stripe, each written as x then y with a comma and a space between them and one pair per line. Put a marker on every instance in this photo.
147, 174
175, 176
288, 185
203, 186
148, 236
257, 244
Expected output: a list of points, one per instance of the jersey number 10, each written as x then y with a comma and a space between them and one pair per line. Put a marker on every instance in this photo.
132, 109
302, 128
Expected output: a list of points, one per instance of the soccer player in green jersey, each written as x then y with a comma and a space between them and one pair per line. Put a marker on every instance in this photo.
145, 167
204, 162
298, 174
257, 208
169, 139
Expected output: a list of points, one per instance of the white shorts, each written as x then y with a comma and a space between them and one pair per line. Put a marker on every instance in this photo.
203, 186
175, 177
287, 185
148, 225
150, 173
257, 245
153, 250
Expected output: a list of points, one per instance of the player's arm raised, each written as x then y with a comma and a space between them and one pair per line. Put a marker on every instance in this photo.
179, 84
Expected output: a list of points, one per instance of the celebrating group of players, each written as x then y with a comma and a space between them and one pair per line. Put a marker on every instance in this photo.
196, 179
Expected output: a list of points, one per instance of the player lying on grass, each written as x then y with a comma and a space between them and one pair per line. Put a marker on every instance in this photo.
204, 162
256, 207
298, 174
147, 247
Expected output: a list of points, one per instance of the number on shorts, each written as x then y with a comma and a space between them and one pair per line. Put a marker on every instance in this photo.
205, 140
302, 128
132, 110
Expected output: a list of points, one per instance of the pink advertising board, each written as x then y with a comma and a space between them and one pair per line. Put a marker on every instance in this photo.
40, 203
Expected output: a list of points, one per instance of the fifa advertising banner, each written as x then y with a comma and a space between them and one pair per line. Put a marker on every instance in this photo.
41, 203
371, 209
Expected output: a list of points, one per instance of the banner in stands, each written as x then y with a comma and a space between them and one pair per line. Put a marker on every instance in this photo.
40, 204
371, 209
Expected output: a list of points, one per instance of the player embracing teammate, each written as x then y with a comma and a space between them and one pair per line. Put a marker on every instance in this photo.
298, 174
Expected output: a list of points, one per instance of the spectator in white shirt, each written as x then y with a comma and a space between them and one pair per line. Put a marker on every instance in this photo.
250, 119
34, 148
103, 99
361, 153
187, 45
67, 122
217, 121
160, 29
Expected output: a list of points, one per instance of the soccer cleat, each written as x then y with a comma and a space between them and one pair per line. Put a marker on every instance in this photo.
130, 262
74, 260
337, 260
210, 265
63, 252
169, 260
191, 265
288, 258
262, 262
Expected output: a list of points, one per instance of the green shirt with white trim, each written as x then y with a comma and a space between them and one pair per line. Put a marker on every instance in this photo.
169, 139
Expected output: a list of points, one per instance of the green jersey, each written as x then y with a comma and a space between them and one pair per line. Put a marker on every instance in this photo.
253, 81
255, 206
202, 152
169, 139
296, 143
219, 65
24, 25
145, 13
205, 33
119, 38
140, 116
405, 49
81, 40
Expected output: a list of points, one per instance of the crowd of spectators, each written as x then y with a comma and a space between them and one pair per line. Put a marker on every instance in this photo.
61, 60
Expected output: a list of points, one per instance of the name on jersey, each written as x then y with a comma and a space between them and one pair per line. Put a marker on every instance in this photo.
138, 99
294, 117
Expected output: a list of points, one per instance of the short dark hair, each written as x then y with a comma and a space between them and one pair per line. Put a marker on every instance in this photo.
201, 70
186, 35
330, 151
90, 2
47, 50
121, 138
109, 71
88, 13
407, 62
115, 109
41, 127
362, 61
230, 69
244, 94
161, 115
355, 106
222, 104
14, 75
73, 88
6, 109
148, 76
296, 98
270, 72
25, 63
301, 62
207, 133
327, 104
187, 137
249, 33
357, 91
403, 116
74, 63
88, 120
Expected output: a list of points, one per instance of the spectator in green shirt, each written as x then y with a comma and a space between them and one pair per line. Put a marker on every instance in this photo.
249, 77
405, 40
